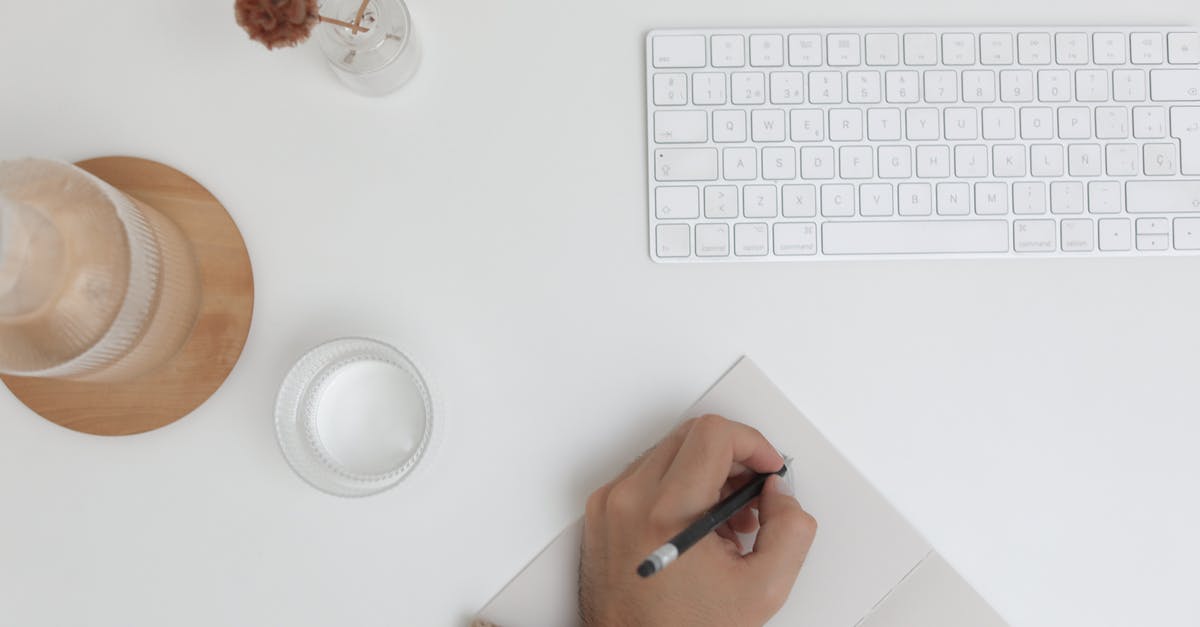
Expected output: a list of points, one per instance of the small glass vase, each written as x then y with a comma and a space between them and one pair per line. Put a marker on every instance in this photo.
380, 58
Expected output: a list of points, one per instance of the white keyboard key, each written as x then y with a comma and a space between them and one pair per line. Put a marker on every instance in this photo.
1185, 126
995, 49
1054, 85
1114, 234
816, 162
845, 124
915, 199
729, 126
902, 86
895, 162
883, 49
1175, 85
712, 240
787, 87
1034, 236
1151, 226
933, 162
875, 200
766, 50
1183, 48
1029, 198
1037, 123
1091, 85
857, 162
1104, 197
767, 125
1187, 233
676, 203
1129, 85
1046, 160
1108, 48
748, 88
670, 51
708, 88
991, 199
720, 201
759, 201
1112, 122
1016, 86
1084, 160
1122, 159
953, 199
825, 87
673, 240
1072, 48
685, 164
670, 89
1008, 160
779, 163
728, 51
799, 201
999, 123
941, 86
843, 50
883, 124
958, 49
795, 238
740, 164
1066, 197
1151, 242
1075, 123
1146, 48
1033, 48
1078, 235
805, 51
1176, 196
808, 125
908, 237
1149, 122
837, 200
680, 127
1159, 160
922, 124
970, 161
863, 87
979, 86
920, 49
750, 239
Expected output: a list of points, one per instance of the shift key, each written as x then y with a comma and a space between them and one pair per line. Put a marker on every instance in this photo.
1162, 196
685, 164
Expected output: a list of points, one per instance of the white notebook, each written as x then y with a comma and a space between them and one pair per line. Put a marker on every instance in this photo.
867, 567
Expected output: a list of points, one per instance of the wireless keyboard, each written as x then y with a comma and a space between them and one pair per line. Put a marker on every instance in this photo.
773, 144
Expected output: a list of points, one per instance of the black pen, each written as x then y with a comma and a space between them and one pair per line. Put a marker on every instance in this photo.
713, 518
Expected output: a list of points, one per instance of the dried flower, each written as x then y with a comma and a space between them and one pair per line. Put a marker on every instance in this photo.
277, 23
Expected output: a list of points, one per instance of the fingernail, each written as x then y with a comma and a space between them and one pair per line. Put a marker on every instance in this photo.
783, 486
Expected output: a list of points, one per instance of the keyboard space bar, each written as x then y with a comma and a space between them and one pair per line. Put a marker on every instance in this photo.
914, 237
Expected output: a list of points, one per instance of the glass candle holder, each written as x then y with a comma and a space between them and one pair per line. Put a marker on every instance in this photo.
94, 285
377, 59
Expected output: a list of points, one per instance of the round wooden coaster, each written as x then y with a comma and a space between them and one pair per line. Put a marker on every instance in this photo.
201, 366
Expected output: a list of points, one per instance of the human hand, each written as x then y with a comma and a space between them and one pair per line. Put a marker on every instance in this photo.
712, 584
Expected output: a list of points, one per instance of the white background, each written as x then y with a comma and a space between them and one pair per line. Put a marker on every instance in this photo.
1037, 419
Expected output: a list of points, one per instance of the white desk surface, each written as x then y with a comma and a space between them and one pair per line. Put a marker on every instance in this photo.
1038, 420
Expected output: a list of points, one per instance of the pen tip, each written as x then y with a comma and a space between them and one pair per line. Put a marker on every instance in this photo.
646, 568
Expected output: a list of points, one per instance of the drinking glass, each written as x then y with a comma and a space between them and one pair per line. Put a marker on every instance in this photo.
378, 59
94, 285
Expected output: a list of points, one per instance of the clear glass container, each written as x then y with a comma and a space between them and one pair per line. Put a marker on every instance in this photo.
374, 61
354, 416
94, 286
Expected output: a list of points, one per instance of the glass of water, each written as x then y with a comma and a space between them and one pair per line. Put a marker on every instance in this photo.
379, 57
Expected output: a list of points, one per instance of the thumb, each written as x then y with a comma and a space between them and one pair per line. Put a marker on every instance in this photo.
785, 533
